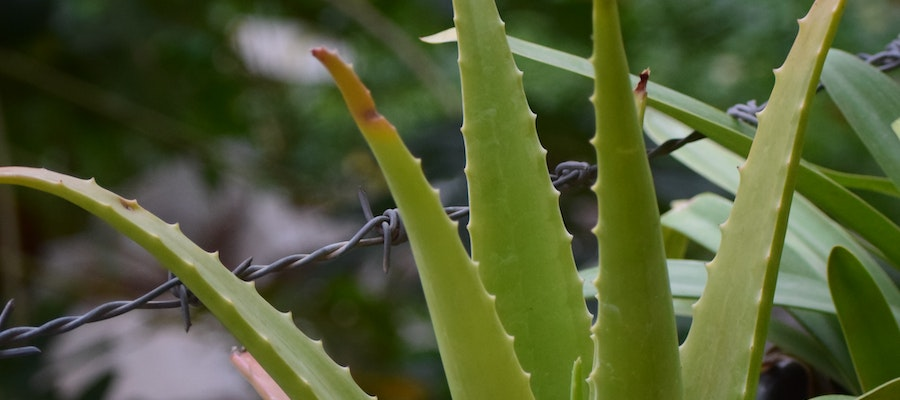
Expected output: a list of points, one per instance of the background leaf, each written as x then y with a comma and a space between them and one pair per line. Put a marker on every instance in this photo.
870, 100
869, 327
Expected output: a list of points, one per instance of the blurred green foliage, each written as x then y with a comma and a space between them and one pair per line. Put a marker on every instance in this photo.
112, 89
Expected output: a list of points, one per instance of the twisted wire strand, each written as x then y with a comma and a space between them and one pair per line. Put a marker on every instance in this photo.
387, 228
886, 60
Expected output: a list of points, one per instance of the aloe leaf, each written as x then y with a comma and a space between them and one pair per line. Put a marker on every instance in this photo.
741, 284
870, 100
843, 205
869, 327
810, 235
809, 240
578, 385
635, 316
299, 364
518, 239
476, 351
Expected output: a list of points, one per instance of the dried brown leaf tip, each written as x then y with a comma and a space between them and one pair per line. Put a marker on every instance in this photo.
642, 84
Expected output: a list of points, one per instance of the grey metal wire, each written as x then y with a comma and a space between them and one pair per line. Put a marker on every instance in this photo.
886, 60
387, 228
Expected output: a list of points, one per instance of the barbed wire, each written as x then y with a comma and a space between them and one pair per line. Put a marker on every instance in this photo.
885, 61
387, 229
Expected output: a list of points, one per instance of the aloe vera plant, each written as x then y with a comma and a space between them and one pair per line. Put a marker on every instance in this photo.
510, 318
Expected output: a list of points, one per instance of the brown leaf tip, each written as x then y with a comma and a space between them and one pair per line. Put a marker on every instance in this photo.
642, 83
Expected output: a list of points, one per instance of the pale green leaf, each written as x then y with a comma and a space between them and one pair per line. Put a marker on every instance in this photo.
476, 351
635, 315
518, 238
841, 204
743, 274
299, 364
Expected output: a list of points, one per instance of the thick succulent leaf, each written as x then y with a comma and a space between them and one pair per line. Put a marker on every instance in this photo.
724, 364
578, 385
869, 326
809, 231
870, 100
635, 316
299, 364
810, 236
841, 204
476, 351
518, 238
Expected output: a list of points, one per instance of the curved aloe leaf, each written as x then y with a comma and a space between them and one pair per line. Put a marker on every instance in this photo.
724, 364
476, 351
870, 100
869, 327
518, 239
635, 316
299, 364
810, 235
843, 205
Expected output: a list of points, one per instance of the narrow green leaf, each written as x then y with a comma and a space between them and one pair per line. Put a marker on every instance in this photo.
635, 316
810, 237
724, 364
688, 278
877, 184
817, 344
841, 204
887, 391
299, 364
870, 100
809, 240
869, 327
518, 238
476, 351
